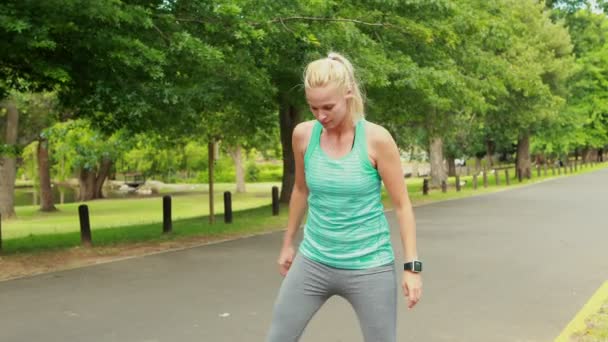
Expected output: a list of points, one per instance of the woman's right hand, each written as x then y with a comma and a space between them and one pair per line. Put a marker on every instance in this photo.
285, 259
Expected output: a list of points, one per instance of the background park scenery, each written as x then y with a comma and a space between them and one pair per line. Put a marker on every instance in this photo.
114, 104
172, 96
96, 95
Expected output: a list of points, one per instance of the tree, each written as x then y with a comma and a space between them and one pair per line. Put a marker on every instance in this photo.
90, 52
88, 152
39, 111
585, 123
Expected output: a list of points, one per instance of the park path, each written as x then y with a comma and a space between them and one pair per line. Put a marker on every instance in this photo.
515, 265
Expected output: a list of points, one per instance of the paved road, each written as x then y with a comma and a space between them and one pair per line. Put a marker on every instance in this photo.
510, 266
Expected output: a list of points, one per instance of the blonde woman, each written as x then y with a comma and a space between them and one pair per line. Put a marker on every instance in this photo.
341, 160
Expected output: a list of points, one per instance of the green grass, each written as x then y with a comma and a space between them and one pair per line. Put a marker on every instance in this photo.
109, 213
119, 221
248, 221
597, 327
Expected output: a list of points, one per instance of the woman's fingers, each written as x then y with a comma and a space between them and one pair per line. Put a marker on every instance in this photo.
284, 267
412, 289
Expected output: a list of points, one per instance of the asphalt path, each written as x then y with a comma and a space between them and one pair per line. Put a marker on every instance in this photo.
515, 265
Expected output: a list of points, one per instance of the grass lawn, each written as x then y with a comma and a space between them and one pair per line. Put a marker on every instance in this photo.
118, 221
596, 327
108, 213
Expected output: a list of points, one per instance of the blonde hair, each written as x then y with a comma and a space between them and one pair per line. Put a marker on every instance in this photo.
336, 70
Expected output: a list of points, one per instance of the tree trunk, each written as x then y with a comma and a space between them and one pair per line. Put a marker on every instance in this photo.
490, 146
477, 164
91, 181
86, 180
237, 157
523, 154
211, 152
451, 166
289, 117
585, 154
102, 175
8, 167
438, 172
595, 154
44, 173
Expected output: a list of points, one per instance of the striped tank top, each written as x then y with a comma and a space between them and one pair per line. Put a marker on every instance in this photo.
345, 227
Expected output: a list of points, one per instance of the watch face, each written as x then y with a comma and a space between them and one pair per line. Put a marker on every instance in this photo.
417, 266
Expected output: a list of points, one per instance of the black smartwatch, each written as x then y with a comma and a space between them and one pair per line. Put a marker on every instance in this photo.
413, 266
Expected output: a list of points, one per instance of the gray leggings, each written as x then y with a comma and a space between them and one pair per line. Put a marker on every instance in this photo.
308, 284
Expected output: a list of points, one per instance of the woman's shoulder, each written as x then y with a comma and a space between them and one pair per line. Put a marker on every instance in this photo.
377, 134
304, 128
302, 131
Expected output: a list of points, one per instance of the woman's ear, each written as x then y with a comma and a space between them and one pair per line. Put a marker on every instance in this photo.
348, 95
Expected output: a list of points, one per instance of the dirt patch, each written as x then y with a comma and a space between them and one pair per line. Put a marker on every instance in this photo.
23, 265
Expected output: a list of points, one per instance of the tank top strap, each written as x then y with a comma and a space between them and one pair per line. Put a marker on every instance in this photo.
315, 138
361, 140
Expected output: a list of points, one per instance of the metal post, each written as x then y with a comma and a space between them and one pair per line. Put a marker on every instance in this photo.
167, 222
275, 201
227, 207
85, 225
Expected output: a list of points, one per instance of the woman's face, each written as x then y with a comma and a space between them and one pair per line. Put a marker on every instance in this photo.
328, 104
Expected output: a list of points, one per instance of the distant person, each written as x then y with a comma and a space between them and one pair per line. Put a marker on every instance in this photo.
341, 160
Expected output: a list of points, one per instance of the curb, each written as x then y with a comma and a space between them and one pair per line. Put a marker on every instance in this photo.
591, 307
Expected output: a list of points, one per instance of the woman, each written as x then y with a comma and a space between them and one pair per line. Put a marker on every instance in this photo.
340, 161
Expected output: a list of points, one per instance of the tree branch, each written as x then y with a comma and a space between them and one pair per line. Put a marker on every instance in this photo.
356, 21
162, 34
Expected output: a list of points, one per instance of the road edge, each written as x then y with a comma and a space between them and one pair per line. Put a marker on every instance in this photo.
592, 306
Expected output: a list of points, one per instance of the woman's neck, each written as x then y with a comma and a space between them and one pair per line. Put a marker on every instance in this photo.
346, 126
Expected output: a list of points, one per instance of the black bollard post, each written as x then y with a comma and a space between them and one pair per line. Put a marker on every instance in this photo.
457, 183
85, 225
507, 179
485, 179
275, 201
474, 182
167, 222
444, 186
425, 186
227, 207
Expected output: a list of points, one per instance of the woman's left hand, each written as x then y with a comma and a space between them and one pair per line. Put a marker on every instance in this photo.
412, 287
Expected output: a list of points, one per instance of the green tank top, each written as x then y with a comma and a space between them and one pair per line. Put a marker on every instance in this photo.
345, 226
